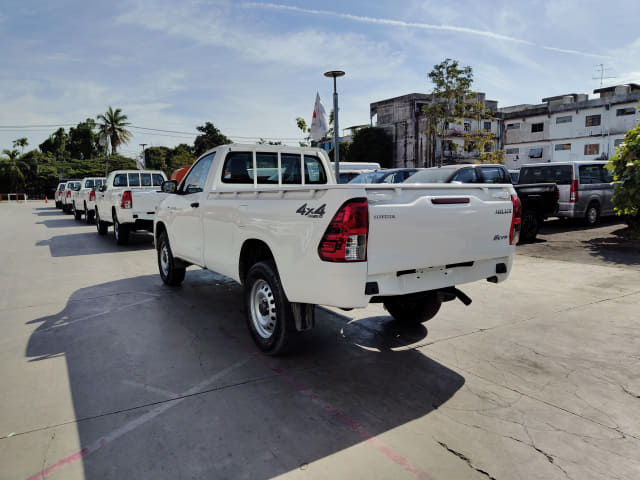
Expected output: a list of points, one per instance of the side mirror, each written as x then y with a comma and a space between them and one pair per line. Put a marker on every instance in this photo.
169, 186
102, 188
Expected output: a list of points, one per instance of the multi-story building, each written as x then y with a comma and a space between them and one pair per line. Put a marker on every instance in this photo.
404, 121
569, 127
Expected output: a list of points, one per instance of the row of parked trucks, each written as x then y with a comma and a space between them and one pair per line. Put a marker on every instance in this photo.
274, 219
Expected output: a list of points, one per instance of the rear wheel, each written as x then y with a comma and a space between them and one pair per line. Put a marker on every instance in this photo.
101, 226
413, 310
88, 215
170, 272
77, 214
269, 313
592, 214
530, 226
120, 232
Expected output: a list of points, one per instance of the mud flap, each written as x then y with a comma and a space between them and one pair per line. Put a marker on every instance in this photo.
304, 316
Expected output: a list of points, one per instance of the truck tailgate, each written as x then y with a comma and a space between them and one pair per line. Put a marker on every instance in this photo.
145, 202
422, 226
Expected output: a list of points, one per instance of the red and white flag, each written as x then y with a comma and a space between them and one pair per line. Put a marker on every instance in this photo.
319, 123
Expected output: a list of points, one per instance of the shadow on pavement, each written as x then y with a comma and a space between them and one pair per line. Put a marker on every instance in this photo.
91, 243
615, 248
166, 383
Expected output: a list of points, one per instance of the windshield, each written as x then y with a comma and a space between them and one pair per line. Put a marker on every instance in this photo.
431, 175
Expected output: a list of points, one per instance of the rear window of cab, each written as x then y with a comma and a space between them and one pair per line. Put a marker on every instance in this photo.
294, 169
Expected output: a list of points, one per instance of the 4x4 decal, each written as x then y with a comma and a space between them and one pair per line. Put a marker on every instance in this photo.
312, 212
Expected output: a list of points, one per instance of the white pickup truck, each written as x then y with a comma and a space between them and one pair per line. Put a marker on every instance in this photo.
274, 219
83, 201
128, 200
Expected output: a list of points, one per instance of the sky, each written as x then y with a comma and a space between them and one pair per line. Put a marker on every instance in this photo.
252, 68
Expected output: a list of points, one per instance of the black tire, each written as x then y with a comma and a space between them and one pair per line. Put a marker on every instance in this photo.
530, 226
592, 215
101, 226
120, 232
88, 215
414, 310
77, 214
170, 273
268, 311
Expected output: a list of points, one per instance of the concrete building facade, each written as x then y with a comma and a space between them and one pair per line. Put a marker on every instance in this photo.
403, 120
569, 127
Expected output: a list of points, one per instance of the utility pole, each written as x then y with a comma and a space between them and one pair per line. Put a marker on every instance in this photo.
602, 69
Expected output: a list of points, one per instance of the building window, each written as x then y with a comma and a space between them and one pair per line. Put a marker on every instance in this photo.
625, 111
512, 151
487, 126
537, 127
592, 121
618, 141
565, 119
535, 152
562, 146
513, 126
592, 148
487, 147
467, 127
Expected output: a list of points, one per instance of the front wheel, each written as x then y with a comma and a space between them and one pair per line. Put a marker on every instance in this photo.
88, 215
269, 313
413, 310
170, 272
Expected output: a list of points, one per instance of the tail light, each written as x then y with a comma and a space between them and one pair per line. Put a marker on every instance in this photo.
345, 239
573, 193
557, 193
126, 199
516, 220
68, 193
92, 195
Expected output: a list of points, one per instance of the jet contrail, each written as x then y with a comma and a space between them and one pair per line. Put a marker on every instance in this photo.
421, 26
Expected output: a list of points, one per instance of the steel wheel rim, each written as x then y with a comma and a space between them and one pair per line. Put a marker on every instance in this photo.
164, 259
592, 215
263, 309
116, 230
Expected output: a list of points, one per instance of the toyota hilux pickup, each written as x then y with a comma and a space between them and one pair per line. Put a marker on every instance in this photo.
274, 219
128, 200
83, 201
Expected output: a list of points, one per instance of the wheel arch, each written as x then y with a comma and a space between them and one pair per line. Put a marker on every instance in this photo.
252, 252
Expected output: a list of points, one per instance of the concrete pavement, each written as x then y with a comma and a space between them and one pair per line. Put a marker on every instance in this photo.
107, 373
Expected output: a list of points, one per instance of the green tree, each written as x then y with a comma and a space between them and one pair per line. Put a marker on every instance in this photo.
209, 138
625, 166
83, 141
302, 125
20, 142
113, 127
344, 152
12, 155
452, 102
372, 144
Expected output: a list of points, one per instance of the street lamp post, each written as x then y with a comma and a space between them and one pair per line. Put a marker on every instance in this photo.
336, 147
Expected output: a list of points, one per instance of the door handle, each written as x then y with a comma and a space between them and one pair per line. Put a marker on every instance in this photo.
195, 204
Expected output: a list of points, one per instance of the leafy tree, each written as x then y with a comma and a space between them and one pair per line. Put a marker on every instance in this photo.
83, 141
209, 138
302, 125
12, 155
371, 144
451, 103
113, 127
262, 141
344, 152
625, 166
20, 142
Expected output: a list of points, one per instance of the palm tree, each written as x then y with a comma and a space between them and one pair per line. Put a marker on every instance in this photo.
21, 142
113, 128
12, 154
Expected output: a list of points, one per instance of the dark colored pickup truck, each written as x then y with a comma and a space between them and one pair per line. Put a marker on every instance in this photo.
539, 200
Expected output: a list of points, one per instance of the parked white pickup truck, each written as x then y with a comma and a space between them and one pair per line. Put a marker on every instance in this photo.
83, 201
128, 200
273, 219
